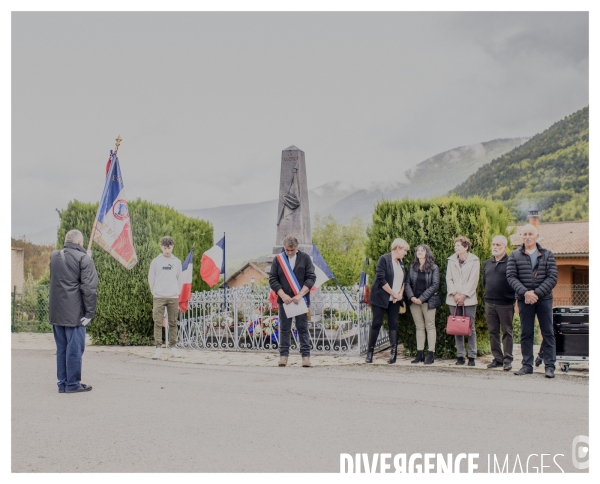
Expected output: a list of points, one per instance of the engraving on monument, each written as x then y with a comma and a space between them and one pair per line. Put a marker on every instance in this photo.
290, 199
293, 215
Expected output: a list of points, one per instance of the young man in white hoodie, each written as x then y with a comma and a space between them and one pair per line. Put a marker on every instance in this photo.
164, 278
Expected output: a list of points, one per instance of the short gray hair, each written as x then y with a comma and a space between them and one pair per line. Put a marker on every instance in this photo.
74, 236
530, 227
290, 241
400, 243
500, 237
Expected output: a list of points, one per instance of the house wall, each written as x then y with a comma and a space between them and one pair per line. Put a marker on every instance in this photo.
246, 278
571, 270
566, 266
17, 273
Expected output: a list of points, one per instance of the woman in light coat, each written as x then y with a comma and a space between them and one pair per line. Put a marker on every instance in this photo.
462, 277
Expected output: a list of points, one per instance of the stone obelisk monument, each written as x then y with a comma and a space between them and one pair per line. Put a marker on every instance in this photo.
293, 214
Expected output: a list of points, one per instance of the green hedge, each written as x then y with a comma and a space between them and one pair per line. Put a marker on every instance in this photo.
124, 312
436, 222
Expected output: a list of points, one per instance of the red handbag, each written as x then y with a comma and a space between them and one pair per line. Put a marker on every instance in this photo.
459, 325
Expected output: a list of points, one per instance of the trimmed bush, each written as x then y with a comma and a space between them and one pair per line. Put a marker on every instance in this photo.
436, 222
124, 312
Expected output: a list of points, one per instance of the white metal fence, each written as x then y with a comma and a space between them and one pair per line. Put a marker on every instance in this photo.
243, 320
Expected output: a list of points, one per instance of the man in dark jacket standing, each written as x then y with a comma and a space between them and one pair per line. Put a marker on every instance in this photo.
532, 273
499, 304
72, 305
291, 286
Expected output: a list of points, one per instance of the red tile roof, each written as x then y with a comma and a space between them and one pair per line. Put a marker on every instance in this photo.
562, 238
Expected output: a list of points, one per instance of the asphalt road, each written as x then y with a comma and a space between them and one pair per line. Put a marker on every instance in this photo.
158, 416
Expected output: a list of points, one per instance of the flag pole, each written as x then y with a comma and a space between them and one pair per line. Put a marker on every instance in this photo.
117, 144
361, 301
340, 286
224, 275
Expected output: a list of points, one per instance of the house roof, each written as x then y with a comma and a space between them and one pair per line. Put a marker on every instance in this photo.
567, 239
261, 267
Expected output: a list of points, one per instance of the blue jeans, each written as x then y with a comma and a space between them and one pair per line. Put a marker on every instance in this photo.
70, 343
527, 313
285, 330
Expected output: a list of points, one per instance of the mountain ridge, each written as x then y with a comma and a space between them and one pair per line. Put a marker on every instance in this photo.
550, 173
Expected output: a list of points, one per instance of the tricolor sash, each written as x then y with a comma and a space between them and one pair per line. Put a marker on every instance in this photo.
284, 262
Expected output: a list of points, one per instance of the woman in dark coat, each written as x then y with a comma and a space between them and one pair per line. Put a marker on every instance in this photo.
386, 296
422, 285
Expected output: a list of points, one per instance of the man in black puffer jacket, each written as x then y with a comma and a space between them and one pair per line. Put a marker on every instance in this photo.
72, 305
532, 273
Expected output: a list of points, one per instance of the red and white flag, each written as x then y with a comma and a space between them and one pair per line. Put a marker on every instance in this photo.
273, 299
187, 274
212, 264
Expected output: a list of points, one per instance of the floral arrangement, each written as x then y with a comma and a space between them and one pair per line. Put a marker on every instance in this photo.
268, 311
330, 312
267, 327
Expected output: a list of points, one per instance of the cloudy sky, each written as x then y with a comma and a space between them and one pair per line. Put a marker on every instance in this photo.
205, 102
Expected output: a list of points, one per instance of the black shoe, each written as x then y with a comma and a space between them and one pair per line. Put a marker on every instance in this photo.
82, 388
394, 344
429, 359
495, 364
524, 371
460, 360
419, 358
471, 361
549, 372
507, 366
371, 346
61, 391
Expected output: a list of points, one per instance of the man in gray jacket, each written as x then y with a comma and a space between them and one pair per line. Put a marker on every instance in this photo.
72, 305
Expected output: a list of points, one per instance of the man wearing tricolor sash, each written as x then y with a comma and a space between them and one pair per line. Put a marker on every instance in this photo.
291, 278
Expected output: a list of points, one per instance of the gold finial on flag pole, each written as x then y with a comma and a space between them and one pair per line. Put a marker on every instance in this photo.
117, 143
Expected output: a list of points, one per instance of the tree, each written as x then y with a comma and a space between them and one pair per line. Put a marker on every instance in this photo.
342, 247
36, 258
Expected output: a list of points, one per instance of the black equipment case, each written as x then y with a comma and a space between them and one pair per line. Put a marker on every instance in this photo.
572, 333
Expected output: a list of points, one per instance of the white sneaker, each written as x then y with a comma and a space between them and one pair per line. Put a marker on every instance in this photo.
157, 353
174, 353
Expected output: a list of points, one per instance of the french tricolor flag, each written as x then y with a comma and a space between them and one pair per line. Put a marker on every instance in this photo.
322, 270
212, 264
186, 277
112, 226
